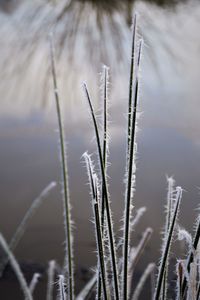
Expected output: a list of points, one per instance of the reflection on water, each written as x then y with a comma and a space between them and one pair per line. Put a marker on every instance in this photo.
167, 144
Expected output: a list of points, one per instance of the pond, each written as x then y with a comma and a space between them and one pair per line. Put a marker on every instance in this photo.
87, 37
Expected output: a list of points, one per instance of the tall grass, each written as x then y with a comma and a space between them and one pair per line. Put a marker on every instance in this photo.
109, 224
67, 214
117, 259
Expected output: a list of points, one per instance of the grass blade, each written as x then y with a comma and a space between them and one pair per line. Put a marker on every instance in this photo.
142, 281
16, 268
50, 282
169, 210
191, 255
179, 272
105, 137
87, 289
100, 246
61, 282
34, 282
22, 226
107, 204
167, 244
66, 199
105, 145
129, 187
99, 236
135, 255
132, 69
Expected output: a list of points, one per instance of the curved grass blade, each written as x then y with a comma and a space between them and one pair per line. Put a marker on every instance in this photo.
83, 295
142, 281
34, 282
22, 226
135, 255
107, 204
16, 268
66, 198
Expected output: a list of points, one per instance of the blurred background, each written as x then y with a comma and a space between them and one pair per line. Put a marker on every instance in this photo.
88, 34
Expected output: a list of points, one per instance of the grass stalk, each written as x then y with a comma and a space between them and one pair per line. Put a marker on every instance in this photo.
179, 273
100, 244
191, 255
105, 144
198, 292
167, 244
105, 138
130, 186
132, 69
135, 254
66, 198
61, 282
142, 281
107, 204
85, 292
99, 234
34, 282
169, 210
16, 268
50, 282
22, 226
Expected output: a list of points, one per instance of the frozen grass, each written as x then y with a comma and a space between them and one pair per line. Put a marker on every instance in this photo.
68, 267
116, 257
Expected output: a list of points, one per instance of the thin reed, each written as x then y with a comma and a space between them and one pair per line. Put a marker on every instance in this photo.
67, 214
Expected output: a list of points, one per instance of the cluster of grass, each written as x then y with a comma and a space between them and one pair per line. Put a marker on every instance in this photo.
116, 258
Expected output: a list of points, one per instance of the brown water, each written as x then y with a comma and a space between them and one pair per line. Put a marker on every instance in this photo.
168, 143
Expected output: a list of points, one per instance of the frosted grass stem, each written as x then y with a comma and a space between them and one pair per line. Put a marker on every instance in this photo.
105, 137
100, 244
66, 199
22, 226
169, 210
34, 282
135, 254
167, 244
142, 281
107, 204
105, 145
132, 69
16, 268
179, 280
129, 187
50, 281
191, 255
87, 289
99, 235
61, 282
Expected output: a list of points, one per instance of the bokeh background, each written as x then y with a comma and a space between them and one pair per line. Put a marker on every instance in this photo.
88, 34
